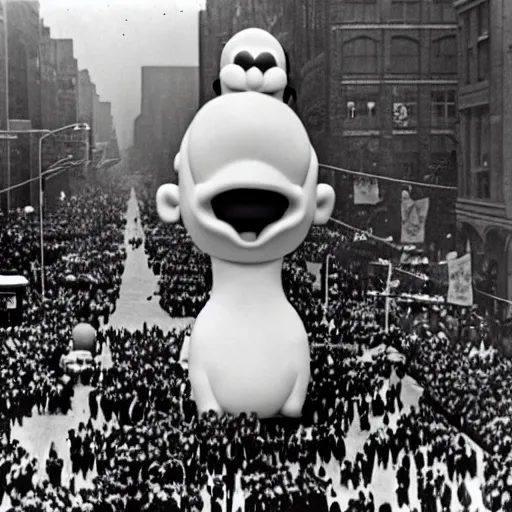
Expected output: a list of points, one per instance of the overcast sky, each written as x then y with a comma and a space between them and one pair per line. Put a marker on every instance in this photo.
113, 39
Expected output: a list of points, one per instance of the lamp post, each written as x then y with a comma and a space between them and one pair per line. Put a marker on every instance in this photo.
77, 127
388, 301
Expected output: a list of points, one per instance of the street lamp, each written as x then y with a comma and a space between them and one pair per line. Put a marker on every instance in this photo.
75, 127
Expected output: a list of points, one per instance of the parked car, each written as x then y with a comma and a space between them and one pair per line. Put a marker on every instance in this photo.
76, 361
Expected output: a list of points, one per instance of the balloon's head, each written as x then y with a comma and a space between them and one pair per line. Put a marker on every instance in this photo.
248, 189
254, 60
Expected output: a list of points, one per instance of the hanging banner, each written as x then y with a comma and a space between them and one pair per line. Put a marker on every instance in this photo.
460, 284
315, 270
366, 191
414, 216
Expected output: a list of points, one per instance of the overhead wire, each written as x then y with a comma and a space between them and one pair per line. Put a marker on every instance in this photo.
412, 274
387, 178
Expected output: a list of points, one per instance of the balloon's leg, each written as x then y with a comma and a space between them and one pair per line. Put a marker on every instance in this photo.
293, 406
202, 392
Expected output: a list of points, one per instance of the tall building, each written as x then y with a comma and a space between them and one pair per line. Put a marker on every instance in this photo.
49, 88
23, 25
4, 103
300, 26
376, 83
67, 78
393, 84
86, 93
169, 101
4, 107
484, 206
103, 121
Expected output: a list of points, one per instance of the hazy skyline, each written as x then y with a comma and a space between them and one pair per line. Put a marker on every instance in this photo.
113, 39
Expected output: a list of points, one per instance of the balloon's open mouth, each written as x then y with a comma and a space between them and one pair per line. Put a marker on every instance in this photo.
249, 211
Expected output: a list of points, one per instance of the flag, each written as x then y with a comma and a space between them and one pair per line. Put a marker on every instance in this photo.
460, 281
414, 216
366, 191
315, 270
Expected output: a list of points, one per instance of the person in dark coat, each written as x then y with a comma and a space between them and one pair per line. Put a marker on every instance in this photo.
93, 403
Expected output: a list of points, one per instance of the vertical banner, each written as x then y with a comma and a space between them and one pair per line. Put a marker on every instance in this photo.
315, 269
366, 191
460, 284
414, 216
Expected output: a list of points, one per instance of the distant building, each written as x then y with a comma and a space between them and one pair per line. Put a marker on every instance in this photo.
484, 206
103, 121
169, 101
86, 93
67, 79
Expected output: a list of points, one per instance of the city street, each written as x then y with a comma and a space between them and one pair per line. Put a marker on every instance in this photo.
133, 309
343, 167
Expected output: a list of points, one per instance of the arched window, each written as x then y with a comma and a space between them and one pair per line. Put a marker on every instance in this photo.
444, 56
360, 56
405, 55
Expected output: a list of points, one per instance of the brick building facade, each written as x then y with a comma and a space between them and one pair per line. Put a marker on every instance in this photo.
376, 82
484, 206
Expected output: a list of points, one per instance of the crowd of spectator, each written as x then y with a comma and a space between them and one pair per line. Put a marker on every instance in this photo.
144, 447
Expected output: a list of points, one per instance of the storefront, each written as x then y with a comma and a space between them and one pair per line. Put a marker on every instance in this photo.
12, 292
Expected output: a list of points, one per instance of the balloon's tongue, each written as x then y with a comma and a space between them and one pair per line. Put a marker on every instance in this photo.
248, 236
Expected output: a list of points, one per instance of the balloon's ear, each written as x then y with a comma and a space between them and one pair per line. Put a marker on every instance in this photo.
289, 94
168, 203
216, 87
325, 197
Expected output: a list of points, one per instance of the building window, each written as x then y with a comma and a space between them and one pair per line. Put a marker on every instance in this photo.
405, 155
361, 153
482, 137
360, 11
360, 56
362, 107
442, 11
405, 55
405, 11
444, 56
441, 146
444, 109
405, 107
479, 156
483, 43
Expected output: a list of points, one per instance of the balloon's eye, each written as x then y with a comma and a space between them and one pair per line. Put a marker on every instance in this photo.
245, 60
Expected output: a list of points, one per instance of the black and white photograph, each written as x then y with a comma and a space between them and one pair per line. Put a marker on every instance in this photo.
255, 256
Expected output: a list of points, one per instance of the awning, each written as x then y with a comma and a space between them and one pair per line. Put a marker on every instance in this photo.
13, 281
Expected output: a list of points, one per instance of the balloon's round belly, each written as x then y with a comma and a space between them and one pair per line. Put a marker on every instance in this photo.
249, 380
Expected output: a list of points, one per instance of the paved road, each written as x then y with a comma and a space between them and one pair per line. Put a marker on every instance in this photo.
138, 284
